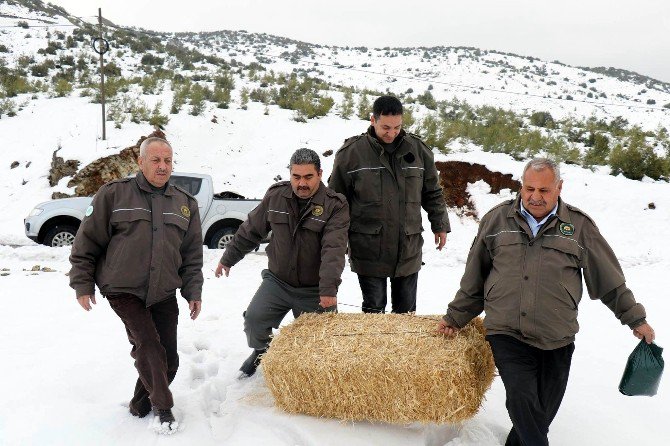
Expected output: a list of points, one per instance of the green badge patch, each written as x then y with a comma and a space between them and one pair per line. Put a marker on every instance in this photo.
89, 211
566, 229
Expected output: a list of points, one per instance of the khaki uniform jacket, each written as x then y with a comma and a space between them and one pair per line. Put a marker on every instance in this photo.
305, 250
385, 237
139, 242
530, 287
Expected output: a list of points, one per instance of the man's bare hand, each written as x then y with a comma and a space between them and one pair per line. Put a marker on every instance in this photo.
446, 329
220, 269
86, 300
327, 301
440, 240
194, 307
645, 332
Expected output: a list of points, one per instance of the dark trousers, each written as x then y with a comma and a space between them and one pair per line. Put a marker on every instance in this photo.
403, 293
535, 382
153, 334
273, 300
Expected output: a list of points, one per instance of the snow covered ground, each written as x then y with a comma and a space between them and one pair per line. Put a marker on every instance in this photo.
67, 375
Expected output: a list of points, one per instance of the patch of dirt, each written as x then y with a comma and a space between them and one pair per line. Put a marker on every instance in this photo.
455, 177
89, 179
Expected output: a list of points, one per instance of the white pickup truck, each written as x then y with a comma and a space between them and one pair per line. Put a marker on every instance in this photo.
55, 222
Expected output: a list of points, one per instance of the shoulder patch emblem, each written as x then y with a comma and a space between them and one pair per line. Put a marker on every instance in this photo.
566, 229
89, 211
317, 211
185, 211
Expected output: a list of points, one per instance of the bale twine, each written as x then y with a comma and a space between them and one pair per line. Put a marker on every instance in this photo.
381, 367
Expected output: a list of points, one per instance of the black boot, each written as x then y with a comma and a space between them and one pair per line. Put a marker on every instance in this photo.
250, 365
140, 408
164, 415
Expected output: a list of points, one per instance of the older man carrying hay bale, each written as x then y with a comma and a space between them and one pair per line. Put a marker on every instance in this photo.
309, 224
525, 271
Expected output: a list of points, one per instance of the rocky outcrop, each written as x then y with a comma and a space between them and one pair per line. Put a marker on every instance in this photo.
89, 179
61, 168
456, 175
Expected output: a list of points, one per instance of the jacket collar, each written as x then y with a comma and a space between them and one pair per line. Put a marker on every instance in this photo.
144, 185
563, 213
374, 142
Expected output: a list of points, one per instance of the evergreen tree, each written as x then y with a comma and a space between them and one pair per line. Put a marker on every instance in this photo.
364, 108
347, 107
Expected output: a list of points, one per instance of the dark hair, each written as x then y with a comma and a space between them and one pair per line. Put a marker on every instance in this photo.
386, 105
306, 156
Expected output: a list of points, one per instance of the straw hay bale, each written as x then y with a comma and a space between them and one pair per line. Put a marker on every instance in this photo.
382, 367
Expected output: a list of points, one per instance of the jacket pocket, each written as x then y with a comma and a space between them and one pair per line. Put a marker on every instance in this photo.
175, 227
572, 297
128, 226
314, 224
279, 225
279, 220
561, 251
365, 240
506, 247
411, 246
121, 216
413, 184
368, 184
488, 288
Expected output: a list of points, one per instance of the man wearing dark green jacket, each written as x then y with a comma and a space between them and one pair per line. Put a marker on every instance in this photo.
524, 270
387, 176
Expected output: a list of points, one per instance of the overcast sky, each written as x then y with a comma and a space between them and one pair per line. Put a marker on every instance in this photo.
618, 33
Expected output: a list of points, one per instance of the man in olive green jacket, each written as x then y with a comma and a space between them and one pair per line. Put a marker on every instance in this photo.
140, 240
309, 224
387, 176
524, 270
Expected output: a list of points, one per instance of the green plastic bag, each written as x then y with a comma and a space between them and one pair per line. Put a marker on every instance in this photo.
643, 370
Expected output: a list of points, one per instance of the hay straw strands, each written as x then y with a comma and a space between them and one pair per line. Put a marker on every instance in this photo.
379, 367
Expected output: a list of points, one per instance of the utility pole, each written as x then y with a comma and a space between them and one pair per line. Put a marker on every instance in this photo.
103, 48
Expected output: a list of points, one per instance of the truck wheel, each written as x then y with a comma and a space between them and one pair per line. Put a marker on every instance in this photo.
60, 235
221, 237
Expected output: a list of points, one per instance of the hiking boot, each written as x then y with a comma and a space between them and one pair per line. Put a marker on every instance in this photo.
250, 365
164, 415
140, 409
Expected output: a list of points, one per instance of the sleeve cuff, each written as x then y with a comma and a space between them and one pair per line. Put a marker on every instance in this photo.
85, 291
637, 323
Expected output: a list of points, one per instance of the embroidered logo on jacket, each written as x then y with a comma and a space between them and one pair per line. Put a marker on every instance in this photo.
566, 229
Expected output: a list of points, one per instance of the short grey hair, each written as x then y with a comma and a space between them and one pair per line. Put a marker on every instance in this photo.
306, 156
151, 140
538, 164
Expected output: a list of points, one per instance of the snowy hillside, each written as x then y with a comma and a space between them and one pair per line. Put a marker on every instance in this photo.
67, 374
